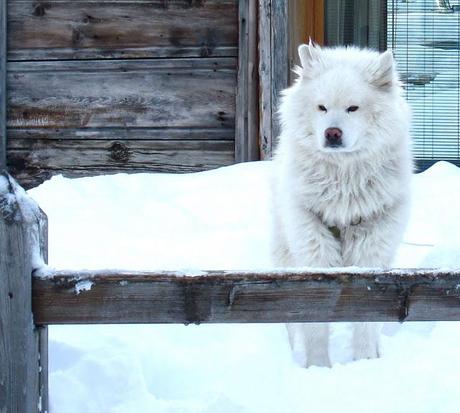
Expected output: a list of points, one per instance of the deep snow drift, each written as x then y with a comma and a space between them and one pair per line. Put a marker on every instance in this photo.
219, 220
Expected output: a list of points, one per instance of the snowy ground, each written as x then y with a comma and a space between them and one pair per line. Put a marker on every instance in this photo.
219, 220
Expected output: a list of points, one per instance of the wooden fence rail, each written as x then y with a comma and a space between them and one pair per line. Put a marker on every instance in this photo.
66, 297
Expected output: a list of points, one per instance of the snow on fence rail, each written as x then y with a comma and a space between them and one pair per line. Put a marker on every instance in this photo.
67, 297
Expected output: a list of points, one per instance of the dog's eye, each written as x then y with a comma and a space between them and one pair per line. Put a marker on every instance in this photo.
322, 108
352, 109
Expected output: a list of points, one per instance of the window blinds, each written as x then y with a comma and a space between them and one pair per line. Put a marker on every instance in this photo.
425, 37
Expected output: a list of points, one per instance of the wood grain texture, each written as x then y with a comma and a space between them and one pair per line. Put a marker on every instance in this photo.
265, 94
283, 25
20, 383
3, 51
72, 29
274, 68
43, 382
90, 117
247, 99
117, 133
34, 161
220, 297
280, 58
122, 93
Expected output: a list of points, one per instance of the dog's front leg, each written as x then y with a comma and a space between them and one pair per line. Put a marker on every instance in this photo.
311, 244
372, 243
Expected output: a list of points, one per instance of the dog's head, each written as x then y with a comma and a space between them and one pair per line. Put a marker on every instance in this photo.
343, 99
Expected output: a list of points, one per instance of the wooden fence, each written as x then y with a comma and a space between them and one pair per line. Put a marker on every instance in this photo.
119, 130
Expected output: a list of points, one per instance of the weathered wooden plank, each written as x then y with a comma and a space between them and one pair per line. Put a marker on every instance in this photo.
265, 94
3, 51
153, 93
280, 66
19, 137
43, 383
34, 161
275, 35
247, 99
220, 297
20, 220
122, 29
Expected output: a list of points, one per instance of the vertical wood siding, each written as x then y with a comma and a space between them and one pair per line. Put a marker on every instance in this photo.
3, 23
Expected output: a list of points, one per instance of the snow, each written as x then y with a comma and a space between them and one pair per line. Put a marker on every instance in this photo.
14, 200
84, 285
219, 220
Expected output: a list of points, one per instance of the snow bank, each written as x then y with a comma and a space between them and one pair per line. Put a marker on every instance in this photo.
219, 220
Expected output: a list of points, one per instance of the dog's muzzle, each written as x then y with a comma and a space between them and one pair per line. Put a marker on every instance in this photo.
333, 137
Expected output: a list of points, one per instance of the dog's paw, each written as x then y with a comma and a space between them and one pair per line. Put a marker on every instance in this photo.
366, 351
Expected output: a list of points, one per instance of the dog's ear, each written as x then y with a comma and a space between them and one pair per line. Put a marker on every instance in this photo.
309, 54
383, 73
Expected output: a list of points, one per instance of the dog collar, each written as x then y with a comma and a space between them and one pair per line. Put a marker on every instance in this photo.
335, 230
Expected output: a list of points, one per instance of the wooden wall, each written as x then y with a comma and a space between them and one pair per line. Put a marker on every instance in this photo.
108, 86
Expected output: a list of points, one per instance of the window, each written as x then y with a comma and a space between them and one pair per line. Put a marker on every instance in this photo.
425, 37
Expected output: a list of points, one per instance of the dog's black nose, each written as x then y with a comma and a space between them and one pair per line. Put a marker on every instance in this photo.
333, 137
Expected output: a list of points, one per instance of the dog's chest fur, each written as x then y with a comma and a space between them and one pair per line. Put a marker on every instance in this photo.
344, 194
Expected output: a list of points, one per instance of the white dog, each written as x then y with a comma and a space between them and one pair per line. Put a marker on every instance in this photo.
342, 175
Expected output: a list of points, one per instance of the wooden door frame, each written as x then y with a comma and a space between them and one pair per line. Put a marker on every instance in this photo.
247, 102
282, 26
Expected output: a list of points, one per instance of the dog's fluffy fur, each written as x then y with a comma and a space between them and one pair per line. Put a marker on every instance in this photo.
346, 205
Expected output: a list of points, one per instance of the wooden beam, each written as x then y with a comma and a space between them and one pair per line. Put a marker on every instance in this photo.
247, 98
280, 76
275, 39
3, 52
265, 81
67, 297
22, 374
43, 383
88, 29
79, 157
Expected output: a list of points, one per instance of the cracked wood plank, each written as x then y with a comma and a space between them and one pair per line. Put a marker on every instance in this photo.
34, 161
246, 297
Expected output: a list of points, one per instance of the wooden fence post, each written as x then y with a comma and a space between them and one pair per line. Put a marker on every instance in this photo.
22, 376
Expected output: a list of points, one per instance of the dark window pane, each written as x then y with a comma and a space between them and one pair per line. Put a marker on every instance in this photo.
358, 22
